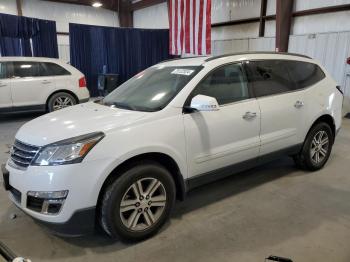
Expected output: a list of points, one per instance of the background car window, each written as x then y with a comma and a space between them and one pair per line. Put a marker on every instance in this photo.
269, 77
52, 69
25, 69
305, 74
227, 84
3, 70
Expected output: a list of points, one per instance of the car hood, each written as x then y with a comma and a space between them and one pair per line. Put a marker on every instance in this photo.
75, 121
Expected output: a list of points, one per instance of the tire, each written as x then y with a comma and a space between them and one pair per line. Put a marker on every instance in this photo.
316, 149
130, 223
60, 100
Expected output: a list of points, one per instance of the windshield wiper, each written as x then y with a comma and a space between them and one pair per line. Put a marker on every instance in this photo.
124, 106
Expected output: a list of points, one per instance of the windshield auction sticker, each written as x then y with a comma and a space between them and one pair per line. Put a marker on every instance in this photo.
180, 71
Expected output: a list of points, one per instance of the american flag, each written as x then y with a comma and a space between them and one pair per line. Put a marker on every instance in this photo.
189, 27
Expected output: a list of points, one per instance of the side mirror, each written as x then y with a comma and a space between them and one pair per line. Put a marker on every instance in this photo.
204, 103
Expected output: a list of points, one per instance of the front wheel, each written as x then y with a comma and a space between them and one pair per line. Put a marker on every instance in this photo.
138, 203
316, 149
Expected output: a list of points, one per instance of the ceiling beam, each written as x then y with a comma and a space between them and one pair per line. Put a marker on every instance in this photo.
262, 20
284, 12
125, 13
146, 3
19, 7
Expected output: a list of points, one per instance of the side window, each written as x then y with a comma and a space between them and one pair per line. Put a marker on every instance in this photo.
227, 84
4, 70
52, 69
269, 77
305, 74
25, 69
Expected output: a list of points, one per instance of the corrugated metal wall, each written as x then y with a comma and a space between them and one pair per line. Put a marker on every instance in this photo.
331, 49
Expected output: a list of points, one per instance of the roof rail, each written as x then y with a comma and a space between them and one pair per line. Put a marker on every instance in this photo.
181, 58
252, 53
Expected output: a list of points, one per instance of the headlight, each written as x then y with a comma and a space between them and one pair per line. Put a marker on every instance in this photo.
67, 151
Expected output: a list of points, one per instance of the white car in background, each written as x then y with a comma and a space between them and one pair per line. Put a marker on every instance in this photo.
175, 126
39, 84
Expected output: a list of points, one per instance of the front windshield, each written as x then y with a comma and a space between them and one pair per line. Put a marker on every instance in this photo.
152, 89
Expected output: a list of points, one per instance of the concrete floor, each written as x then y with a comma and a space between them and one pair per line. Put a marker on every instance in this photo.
274, 209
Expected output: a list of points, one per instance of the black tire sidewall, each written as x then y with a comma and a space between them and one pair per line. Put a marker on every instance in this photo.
117, 190
306, 149
55, 96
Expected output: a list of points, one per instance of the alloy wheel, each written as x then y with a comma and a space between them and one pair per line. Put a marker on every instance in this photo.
143, 204
62, 102
319, 147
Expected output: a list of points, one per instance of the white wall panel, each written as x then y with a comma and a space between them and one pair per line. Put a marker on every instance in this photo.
235, 31
64, 14
8, 7
271, 7
152, 17
311, 4
63, 52
331, 22
262, 44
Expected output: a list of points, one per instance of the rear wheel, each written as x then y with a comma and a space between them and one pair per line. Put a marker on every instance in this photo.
316, 149
60, 100
138, 203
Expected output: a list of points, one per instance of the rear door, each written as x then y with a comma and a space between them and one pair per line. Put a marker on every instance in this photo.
30, 86
281, 105
5, 86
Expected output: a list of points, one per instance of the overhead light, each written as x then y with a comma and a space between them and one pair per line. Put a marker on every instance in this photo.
97, 4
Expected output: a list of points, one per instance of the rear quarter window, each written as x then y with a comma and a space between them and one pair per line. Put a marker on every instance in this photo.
52, 69
304, 74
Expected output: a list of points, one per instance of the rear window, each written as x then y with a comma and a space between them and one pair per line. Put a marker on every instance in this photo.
269, 77
3, 70
52, 69
304, 74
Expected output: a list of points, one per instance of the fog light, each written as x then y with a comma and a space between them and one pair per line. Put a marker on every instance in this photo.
46, 202
49, 194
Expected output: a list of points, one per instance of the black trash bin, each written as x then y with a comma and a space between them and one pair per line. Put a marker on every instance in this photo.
107, 83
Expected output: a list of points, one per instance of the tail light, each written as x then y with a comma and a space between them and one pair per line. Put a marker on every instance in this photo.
82, 82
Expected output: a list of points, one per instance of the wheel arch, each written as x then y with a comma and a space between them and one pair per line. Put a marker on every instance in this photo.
59, 91
161, 158
328, 119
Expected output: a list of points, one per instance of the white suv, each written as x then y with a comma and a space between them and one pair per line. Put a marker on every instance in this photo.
177, 125
39, 84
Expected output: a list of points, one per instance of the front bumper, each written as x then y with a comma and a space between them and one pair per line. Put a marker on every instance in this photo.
83, 182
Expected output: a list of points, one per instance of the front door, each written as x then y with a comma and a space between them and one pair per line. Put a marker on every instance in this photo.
222, 138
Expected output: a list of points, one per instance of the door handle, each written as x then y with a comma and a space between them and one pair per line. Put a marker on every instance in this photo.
2, 85
249, 116
46, 82
299, 104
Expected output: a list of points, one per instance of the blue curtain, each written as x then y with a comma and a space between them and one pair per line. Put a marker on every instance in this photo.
16, 32
45, 41
125, 51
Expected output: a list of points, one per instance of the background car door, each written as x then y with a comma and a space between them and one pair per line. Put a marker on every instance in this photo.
281, 107
230, 135
5, 86
30, 86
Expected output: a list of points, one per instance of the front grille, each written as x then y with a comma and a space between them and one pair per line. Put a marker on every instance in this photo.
22, 154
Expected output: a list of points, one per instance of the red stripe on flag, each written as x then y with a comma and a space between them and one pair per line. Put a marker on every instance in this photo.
176, 15
182, 26
194, 25
170, 10
208, 28
200, 27
187, 25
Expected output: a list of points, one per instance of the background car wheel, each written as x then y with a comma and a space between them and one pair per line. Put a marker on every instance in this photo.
316, 149
138, 203
60, 100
